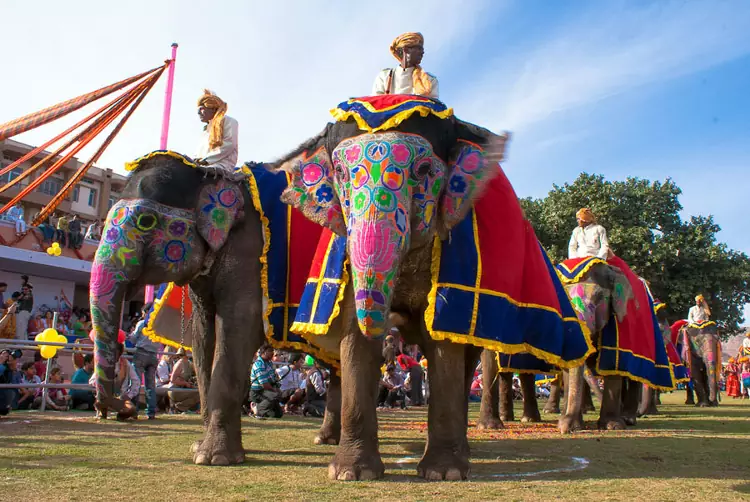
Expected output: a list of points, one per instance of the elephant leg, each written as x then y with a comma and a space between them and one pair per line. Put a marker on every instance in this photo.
689, 395
553, 403
648, 402
700, 379
204, 343
530, 405
630, 399
710, 360
593, 385
572, 419
657, 399
239, 333
610, 417
506, 396
588, 402
446, 455
357, 456
489, 410
330, 430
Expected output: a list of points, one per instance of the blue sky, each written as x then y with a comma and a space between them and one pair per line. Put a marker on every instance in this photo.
651, 89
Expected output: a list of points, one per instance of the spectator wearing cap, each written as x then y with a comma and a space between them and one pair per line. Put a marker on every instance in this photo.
145, 361
83, 399
315, 394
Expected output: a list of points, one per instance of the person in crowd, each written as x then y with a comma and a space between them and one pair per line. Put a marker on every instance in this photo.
183, 377
414, 370
146, 361
264, 386
61, 236
163, 374
94, 231
588, 238
75, 240
3, 290
83, 399
47, 320
732, 378
25, 307
291, 383
6, 395
218, 146
48, 232
27, 398
315, 392
699, 312
15, 214
475, 394
408, 77
389, 350
35, 325
744, 362
8, 322
39, 364
57, 399
392, 388
127, 386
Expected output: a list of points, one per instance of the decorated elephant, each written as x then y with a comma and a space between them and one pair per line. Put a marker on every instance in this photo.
702, 350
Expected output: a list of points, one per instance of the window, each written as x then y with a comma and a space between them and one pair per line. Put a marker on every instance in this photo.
76, 193
89, 181
92, 197
111, 202
15, 173
50, 186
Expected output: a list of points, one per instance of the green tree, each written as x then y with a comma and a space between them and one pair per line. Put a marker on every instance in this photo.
680, 259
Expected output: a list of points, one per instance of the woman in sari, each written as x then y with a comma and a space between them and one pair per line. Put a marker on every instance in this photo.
731, 373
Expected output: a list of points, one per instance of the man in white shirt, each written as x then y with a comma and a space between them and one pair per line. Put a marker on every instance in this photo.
218, 145
291, 381
408, 77
129, 385
699, 312
589, 238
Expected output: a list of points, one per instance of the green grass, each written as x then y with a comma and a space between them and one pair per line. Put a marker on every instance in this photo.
684, 454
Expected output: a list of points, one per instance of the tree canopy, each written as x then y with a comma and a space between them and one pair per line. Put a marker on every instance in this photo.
679, 259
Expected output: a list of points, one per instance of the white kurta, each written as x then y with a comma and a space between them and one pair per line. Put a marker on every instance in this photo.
696, 314
225, 156
402, 82
590, 240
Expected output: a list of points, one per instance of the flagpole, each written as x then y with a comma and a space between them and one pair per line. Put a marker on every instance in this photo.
149, 297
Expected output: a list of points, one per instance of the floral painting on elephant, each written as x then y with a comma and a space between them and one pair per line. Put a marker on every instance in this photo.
287, 257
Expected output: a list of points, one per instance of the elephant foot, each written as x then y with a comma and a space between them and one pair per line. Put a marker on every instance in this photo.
507, 416
612, 424
215, 449
630, 420
325, 438
690, 402
531, 416
713, 403
551, 409
570, 423
588, 408
360, 468
702, 404
448, 467
489, 423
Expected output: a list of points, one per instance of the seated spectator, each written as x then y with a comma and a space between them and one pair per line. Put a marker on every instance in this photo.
61, 235
83, 399
291, 383
94, 231
15, 214
35, 325
475, 394
127, 387
392, 388
47, 320
183, 377
40, 365
74, 231
29, 398
264, 387
57, 399
315, 393
163, 374
6, 395
412, 367
48, 232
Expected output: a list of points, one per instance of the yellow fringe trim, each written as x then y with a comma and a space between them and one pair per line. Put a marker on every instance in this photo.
630, 375
133, 165
429, 318
532, 372
341, 116
148, 330
659, 306
583, 271
704, 324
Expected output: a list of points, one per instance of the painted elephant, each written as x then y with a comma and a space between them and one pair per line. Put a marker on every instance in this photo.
177, 223
701, 347
390, 213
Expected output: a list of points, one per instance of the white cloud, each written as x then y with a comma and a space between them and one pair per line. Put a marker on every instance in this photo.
606, 53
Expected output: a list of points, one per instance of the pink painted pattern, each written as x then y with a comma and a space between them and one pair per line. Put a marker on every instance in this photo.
372, 246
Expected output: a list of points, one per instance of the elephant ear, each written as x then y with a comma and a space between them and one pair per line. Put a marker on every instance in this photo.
622, 293
219, 208
474, 161
311, 189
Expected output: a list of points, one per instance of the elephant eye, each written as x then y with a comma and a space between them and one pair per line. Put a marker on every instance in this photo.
425, 168
146, 222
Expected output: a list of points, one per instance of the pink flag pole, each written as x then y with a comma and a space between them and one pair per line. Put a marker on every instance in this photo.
165, 131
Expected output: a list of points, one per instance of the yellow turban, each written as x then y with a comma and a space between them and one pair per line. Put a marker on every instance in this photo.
699, 298
731, 359
585, 214
421, 81
216, 125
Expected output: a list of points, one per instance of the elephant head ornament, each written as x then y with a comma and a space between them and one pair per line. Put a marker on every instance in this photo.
388, 193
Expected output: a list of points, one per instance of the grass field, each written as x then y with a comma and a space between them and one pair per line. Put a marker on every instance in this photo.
684, 454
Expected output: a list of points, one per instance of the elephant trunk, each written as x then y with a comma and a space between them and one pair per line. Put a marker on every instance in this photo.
106, 294
376, 246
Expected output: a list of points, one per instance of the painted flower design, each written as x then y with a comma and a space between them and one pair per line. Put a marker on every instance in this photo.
178, 228
175, 251
373, 246
353, 153
219, 217
102, 285
400, 154
457, 184
324, 194
112, 234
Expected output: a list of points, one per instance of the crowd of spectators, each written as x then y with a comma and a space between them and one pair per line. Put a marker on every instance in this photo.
66, 230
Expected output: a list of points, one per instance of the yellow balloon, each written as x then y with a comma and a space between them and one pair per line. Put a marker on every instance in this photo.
49, 334
48, 352
56, 245
39, 337
50, 251
61, 339
58, 251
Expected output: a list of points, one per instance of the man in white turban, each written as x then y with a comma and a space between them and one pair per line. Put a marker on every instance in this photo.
218, 146
408, 77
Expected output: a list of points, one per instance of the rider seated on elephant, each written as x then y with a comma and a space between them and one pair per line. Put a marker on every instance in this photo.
699, 312
264, 385
589, 238
218, 144
408, 77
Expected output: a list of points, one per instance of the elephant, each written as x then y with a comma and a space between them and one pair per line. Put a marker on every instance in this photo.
701, 347
391, 220
177, 223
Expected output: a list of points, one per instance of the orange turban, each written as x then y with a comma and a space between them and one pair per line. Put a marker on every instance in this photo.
421, 81
216, 125
585, 214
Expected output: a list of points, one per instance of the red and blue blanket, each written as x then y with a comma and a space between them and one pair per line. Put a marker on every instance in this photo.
386, 111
